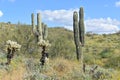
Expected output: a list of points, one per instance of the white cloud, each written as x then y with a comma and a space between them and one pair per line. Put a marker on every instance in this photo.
65, 18
117, 4
102, 25
1, 13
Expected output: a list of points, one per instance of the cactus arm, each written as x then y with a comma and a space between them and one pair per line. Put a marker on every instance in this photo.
33, 23
81, 26
39, 27
76, 34
45, 32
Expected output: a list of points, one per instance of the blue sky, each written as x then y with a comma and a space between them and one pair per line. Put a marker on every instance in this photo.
100, 15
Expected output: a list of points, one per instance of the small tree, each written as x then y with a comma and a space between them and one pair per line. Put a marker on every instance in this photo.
11, 47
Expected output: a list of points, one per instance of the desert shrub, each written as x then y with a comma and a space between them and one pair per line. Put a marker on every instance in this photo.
97, 74
34, 71
106, 53
113, 62
89, 58
102, 74
62, 48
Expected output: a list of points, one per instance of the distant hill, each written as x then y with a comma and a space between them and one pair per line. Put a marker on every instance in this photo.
99, 49
102, 50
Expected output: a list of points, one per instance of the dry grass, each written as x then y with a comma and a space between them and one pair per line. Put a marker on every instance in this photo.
16, 74
61, 68
58, 68
14, 71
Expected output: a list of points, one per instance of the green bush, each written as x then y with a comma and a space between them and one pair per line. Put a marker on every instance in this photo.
106, 53
113, 62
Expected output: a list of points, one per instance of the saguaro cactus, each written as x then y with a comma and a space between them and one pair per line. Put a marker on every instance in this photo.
41, 30
41, 34
76, 34
78, 28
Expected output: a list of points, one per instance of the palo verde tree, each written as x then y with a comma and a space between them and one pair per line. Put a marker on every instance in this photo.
40, 33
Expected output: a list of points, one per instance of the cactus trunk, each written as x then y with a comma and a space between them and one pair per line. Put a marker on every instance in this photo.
79, 36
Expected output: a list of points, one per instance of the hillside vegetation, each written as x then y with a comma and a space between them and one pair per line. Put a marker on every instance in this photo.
102, 50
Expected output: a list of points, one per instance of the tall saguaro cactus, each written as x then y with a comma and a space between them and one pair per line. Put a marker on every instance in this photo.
41, 34
76, 34
79, 32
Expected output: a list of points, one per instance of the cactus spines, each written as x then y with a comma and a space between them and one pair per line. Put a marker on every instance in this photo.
78, 29
81, 26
